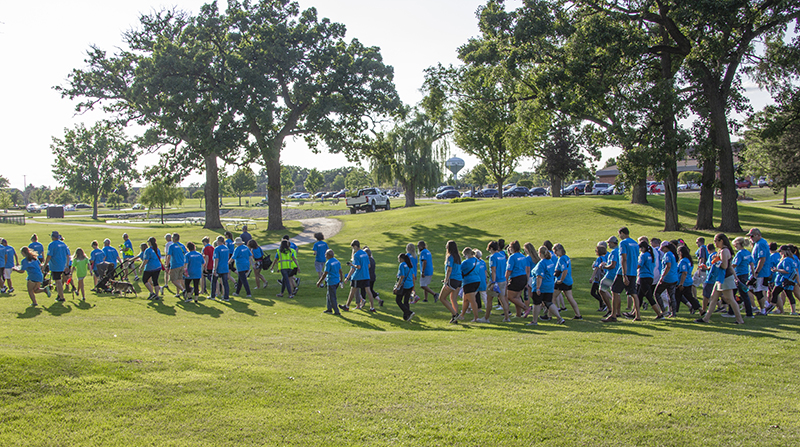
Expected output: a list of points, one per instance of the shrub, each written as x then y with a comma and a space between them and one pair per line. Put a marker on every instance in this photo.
463, 199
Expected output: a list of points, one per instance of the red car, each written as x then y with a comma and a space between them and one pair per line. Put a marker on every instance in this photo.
743, 183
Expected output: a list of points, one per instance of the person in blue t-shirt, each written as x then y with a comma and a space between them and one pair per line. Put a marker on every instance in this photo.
497, 281
111, 253
242, 259
57, 261
669, 275
607, 283
644, 284
480, 297
564, 282
762, 274
404, 285
192, 272
33, 267
10, 256
625, 279
601, 251
452, 280
518, 272
260, 262
96, 257
471, 282
743, 265
543, 287
685, 282
151, 268
220, 271
174, 264
411, 251
334, 278
426, 271
785, 280
37, 246
725, 282
359, 277
320, 248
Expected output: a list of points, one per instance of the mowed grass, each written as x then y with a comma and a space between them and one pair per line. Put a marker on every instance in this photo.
274, 371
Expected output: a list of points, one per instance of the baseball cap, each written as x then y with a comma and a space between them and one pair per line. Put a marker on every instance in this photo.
753, 231
613, 239
55, 234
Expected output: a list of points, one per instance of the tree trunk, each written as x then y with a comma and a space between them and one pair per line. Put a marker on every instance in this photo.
785, 194
410, 188
720, 135
555, 186
273, 164
639, 192
94, 206
499, 181
671, 198
213, 221
162, 214
705, 209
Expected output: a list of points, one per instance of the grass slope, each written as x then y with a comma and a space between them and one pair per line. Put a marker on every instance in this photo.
273, 371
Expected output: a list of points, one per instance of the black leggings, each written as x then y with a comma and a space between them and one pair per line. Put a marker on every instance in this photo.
776, 292
670, 288
402, 301
687, 297
596, 293
196, 288
645, 290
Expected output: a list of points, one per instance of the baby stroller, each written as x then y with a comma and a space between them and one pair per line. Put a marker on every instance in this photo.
105, 274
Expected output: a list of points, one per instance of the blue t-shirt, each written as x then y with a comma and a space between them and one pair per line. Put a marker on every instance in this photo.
482, 273
613, 257
10, 256
645, 265
151, 259
97, 256
425, 255
545, 268
761, 250
685, 266
33, 268
258, 253
413, 264
332, 268
742, 259
499, 262
128, 252
773, 261
630, 248
111, 254
455, 269
516, 264
361, 261
59, 256
469, 271
241, 256
598, 263
713, 269
38, 248
194, 265
231, 246
790, 266
177, 255
564, 264
404, 271
671, 276
221, 257
320, 247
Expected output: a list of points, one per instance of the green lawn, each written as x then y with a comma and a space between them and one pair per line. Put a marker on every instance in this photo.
274, 371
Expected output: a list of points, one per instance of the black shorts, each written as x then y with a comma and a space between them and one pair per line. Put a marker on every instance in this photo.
454, 284
562, 286
293, 272
151, 274
208, 273
518, 283
56, 276
471, 287
619, 285
545, 297
361, 283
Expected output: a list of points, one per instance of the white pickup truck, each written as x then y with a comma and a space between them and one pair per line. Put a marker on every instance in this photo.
368, 199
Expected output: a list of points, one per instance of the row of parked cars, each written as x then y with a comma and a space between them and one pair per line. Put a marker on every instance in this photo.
38, 208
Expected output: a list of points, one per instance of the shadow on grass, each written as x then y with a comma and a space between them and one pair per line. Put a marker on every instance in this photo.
239, 306
30, 312
84, 305
200, 309
629, 216
58, 309
162, 308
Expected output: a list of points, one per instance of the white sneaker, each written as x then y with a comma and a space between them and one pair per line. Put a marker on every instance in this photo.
249, 296
482, 320
506, 320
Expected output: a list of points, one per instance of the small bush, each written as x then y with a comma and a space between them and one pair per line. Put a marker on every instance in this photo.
463, 199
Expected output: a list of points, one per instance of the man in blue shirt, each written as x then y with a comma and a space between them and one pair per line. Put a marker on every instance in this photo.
320, 250
426, 271
111, 254
57, 261
359, 276
335, 277
10, 262
220, 269
761, 256
175, 262
37, 246
626, 274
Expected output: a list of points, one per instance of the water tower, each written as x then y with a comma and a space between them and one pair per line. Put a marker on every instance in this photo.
454, 164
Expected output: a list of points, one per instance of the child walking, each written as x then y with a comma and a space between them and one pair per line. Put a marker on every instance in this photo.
80, 262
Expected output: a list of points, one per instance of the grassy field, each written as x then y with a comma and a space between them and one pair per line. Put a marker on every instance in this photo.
274, 371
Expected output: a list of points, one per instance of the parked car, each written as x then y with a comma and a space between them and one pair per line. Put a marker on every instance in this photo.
599, 187
743, 183
762, 182
517, 191
448, 194
83, 206
319, 195
33, 208
368, 199
574, 189
304, 195
138, 206
69, 207
538, 191
341, 194
444, 188
489, 192
655, 187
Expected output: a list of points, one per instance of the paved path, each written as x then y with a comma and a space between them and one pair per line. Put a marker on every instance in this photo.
327, 226
67, 224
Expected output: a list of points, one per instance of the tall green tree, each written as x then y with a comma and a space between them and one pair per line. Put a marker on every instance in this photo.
313, 181
242, 182
91, 161
772, 147
3, 182
357, 179
411, 153
160, 193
